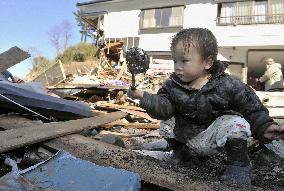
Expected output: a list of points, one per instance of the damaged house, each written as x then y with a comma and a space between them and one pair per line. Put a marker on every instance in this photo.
81, 131
247, 31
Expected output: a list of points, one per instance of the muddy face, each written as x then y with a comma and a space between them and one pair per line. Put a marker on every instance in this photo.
188, 63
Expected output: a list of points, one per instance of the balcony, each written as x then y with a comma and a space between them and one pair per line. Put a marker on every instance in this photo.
251, 19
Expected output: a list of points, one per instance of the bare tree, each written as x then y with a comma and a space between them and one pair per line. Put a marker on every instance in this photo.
60, 35
66, 32
54, 34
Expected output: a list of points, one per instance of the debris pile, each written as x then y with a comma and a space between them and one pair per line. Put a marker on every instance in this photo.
90, 116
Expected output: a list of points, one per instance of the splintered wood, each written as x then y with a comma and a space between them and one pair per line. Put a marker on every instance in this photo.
132, 125
117, 106
16, 138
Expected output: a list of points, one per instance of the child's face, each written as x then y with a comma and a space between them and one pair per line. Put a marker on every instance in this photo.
188, 64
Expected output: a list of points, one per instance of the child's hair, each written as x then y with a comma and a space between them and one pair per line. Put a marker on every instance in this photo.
203, 39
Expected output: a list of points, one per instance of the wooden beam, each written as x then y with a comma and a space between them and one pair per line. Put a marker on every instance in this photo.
12, 57
8, 122
123, 135
117, 106
122, 70
16, 138
132, 125
139, 114
150, 170
87, 86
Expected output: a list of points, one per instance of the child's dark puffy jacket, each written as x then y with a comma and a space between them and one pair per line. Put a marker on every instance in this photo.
194, 110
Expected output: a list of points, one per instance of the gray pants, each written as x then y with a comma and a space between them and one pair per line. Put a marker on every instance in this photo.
215, 136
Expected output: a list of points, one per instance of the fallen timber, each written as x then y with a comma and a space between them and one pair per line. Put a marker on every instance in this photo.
17, 138
150, 170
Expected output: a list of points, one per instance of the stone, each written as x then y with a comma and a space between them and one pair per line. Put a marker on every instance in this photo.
113, 139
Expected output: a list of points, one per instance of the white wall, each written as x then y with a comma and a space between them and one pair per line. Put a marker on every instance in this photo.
123, 20
152, 42
198, 14
122, 24
204, 15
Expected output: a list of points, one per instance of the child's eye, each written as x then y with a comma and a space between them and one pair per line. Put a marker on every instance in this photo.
186, 61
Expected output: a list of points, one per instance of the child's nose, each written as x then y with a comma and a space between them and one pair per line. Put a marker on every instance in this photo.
179, 67
178, 71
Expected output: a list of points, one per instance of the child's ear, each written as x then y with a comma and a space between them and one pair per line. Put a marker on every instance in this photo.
208, 62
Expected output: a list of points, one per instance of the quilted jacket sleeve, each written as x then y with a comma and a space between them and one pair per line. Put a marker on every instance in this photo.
246, 102
158, 106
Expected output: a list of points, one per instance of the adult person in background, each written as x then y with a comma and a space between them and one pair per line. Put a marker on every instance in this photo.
273, 77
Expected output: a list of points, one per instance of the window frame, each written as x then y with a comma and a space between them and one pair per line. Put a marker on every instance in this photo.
161, 9
252, 18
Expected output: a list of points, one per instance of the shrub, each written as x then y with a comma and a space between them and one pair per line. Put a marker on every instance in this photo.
79, 57
79, 53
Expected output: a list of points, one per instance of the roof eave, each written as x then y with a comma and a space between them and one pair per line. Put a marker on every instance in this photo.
91, 2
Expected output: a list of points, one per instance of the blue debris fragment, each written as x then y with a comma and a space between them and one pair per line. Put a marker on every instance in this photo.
66, 172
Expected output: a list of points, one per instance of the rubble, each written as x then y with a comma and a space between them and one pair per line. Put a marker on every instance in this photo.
17, 98
120, 135
113, 139
60, 172
12, 57
17, 138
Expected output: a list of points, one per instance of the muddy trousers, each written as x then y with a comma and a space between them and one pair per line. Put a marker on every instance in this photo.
230, 132
214, 138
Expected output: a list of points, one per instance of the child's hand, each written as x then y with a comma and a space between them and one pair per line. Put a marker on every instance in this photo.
135, 94
274, 132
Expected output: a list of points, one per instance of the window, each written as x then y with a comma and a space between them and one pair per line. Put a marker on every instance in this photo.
276, 10
162, 17
260, 11
276, 6
227, 13
251, 12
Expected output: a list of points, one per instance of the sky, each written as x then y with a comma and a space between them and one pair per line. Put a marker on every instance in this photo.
25, 23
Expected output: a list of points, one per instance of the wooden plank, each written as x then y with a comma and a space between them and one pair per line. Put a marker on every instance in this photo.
100, 153
8, 122
16, 138
12, 57
123, 135
139, 114
122, 70
117, 106
132, 125
87, 86
151, 170
128, 109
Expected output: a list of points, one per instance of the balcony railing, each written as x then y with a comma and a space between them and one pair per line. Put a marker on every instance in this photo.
251, 19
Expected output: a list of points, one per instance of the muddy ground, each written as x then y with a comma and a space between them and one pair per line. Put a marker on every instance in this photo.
267, 171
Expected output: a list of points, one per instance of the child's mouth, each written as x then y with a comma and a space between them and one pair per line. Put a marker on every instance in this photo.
180, 76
